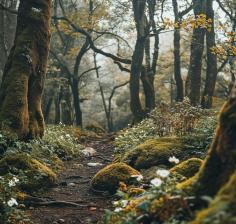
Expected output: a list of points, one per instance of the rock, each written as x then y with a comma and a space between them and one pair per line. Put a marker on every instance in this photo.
109, 178
187, 168
94, 164
89, 152
61, 221
37, 174
156, 152
71, 184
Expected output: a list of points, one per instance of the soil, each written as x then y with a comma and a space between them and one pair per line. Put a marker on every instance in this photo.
74, 186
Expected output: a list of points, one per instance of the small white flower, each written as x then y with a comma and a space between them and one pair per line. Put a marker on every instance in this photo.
124, 203
156, 182
1, 135
115, 203
163, 173
138, 177
12, 202
15, 179
67, 135
118, 209
12, 183
173, 159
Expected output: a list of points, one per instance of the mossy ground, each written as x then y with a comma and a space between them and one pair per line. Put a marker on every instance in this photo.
35, 174
187, 168
156, 152
109, 178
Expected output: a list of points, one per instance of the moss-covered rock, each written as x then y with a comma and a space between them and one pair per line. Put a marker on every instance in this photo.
222, 209
187, 168
108, 178
33, 174
156, 152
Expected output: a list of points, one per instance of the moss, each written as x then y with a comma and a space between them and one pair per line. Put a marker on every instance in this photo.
187, 168
33, 174
220, 162
156, 152
108, 178
223, 208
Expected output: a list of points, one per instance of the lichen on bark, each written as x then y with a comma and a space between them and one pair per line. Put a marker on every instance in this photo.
25, 69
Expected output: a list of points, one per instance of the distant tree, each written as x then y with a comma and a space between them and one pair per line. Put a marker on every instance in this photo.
139, 9
197, 47
211, 72
24, 73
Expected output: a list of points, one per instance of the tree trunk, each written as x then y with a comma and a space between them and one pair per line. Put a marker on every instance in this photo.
66, 107
177, 59
57, 102
149, 92
76, 99
24, 73
220, 162
197, 47
137, 59
211, 72
47, 109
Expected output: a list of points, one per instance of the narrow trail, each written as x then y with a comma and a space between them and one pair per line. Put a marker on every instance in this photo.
74, 186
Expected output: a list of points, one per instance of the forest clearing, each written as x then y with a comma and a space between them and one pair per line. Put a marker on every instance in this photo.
117, 112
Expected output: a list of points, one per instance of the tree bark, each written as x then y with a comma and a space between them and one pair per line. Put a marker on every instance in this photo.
177, 59
211, 73
24, 73
137, 59
220, 162
197, 47
76, 99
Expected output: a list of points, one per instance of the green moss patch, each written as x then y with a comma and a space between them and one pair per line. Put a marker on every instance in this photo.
156, 152
187, 168
109, 178
223, 208
32, 173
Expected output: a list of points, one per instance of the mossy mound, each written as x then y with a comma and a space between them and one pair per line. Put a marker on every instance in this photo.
156, 152
109, 178
32, 173
222, 209
187, 168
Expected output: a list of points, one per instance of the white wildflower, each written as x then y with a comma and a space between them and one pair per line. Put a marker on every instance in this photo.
118, 209
156, 182
12, 202
12, 183
138, 177
15, 179
173, 159
163, 173
115, 203
124, 203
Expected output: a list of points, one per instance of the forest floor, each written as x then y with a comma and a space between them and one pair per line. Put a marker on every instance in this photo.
73, 185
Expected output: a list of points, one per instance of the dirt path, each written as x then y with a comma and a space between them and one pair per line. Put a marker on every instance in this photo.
74, 185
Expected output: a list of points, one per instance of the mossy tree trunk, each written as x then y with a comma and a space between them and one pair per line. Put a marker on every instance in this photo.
24, 73
220, 162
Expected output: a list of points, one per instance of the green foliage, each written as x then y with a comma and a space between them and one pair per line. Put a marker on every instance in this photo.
34, 164
181, 119
11, 210
161, 203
